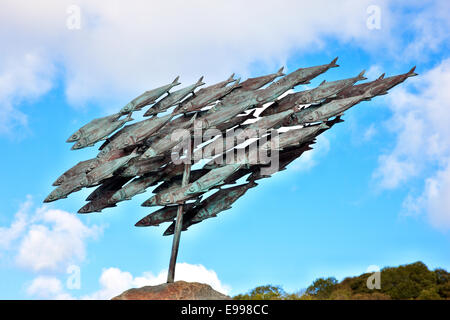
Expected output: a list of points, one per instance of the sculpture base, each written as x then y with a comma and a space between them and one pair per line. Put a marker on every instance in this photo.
179, 290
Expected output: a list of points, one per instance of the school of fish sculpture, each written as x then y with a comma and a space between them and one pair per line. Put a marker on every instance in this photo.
242, 126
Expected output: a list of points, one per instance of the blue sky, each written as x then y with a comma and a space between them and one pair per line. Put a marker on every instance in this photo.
374, 191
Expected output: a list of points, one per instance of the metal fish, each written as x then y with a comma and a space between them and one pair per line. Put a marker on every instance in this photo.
112, 184
107, 169
135, 133
203, 100
134, 187
166, 143
258, 82
327, 110
148, 97
195, 188
98, 131
173, 98
213, 205
165, 214
324, 90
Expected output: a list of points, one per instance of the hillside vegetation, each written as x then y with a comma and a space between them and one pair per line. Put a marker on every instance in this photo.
412, 282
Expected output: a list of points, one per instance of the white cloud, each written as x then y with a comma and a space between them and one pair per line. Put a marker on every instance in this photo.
17, 227
114, 281
46, 239
124, 48
44, 287
430, 30
421, 117
22, 77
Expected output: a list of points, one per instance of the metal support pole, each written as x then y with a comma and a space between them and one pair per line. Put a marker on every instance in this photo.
178, 224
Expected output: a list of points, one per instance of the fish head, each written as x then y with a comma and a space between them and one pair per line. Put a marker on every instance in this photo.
128, 108
149, 153
80, 144
150, 202
59, 181
74, 137
88, 207
193, 189
104, 152
54, 195
117, 196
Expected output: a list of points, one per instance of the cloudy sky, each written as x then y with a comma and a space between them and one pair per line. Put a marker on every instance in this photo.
375, 191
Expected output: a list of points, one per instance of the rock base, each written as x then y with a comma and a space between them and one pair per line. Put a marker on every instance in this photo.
179, 290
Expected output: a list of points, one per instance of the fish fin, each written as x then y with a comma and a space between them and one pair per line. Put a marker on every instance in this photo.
382, 76
175, 82
280, 72
200, 81
231, 78
411, 72
361, 75
323, 82
333, 64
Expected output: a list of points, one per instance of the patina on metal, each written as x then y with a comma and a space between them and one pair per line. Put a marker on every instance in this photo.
141, 155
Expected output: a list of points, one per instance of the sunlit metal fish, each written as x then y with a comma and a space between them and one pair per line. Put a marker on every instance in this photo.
201, 101
98, 131
324, 90
80, 168
148, 97
112, 184
237, 120
99, 204
140, 167
175, 182
173, 98
289, 81
220, 201
166, 143
135, 133
165, 214
359, 89
195, 188
107, 169
258, 82
327, 110
239, 135
134, 187
388, 83
285, 158
295, 137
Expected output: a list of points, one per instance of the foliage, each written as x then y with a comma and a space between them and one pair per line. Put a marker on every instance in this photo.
411, 281
322, 288
268, 292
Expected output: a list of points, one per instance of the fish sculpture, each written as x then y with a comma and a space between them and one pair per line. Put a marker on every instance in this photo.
220, 201
193, 189
173, 99
98, 130
148, 97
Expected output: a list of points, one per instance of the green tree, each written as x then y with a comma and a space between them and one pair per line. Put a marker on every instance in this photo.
322, 288
267, 292
429, 294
